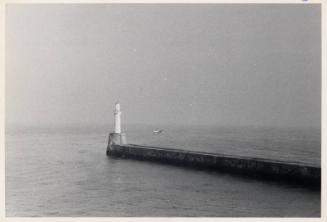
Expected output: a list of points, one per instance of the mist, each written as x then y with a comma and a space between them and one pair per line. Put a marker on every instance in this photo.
185, 64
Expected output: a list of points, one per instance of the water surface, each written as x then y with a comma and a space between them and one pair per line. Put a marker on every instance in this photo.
66, 173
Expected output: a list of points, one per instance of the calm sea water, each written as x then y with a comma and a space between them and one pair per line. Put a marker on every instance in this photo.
66, 173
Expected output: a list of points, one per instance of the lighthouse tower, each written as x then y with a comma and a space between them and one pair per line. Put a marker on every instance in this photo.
117, 114
117, 137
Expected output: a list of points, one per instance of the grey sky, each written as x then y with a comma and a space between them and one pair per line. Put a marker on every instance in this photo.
185, 64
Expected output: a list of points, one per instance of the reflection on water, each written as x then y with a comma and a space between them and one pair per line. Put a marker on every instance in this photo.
68, 174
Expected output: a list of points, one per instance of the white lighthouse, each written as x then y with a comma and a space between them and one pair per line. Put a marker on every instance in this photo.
117, 114
117, 137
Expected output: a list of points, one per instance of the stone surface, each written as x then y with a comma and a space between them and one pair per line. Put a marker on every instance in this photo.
263, 168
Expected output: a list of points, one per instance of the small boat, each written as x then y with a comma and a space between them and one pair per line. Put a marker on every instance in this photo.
157, 131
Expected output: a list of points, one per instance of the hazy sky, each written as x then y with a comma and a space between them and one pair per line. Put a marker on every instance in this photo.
185, 64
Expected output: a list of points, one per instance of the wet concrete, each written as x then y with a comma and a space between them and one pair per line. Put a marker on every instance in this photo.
308, 175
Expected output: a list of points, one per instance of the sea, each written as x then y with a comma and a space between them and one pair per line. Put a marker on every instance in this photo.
64, 172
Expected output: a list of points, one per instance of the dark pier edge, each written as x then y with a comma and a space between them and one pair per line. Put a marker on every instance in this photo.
291, 172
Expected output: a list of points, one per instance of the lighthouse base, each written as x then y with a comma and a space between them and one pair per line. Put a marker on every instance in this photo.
116, 139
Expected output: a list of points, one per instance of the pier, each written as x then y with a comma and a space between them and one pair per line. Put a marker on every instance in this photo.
305, 174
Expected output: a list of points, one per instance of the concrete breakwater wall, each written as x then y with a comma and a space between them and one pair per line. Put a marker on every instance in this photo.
262, 168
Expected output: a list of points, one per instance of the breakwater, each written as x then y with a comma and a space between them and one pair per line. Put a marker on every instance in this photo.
258, 167
305, 174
